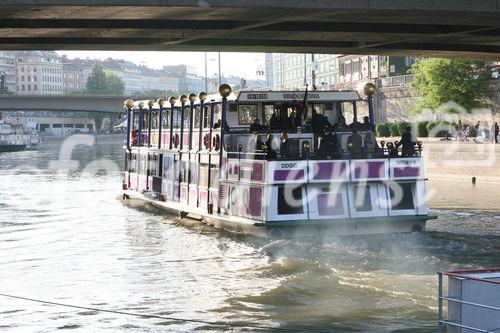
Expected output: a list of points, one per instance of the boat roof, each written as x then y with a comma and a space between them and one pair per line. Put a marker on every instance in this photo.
254, 96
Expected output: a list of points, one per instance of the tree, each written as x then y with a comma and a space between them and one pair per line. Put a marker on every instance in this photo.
114, 85
101, 83
441, 81
96, 83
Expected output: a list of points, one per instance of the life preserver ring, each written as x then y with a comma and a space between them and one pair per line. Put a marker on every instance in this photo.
206, 141
134, 137
216, 142
176, 140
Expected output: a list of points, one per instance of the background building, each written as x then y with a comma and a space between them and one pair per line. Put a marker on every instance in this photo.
8, 68
75, 73
39, 73
292, 71
356, 68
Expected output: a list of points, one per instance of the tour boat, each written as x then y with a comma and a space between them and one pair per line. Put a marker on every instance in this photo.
204, 158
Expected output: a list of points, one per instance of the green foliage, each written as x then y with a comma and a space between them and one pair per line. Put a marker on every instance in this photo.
422, 129
114, 85
100, 83
382, 130
394, 129
440, 81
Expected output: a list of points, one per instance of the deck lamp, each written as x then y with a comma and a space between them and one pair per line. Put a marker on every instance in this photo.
192, 99
172, 101
183, 100
224, 91
150, 122
160, 102
369, 90
139, 130
202, 97
129, 105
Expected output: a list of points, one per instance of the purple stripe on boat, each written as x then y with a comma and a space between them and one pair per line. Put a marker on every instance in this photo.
330, 204
374, 169
258, 173
288, 174
255, 202
406, 172
329, 170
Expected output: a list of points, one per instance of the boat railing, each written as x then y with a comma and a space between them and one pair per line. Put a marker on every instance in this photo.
386, 151
450, 299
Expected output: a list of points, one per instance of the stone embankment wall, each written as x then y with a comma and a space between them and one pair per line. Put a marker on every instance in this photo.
395, 103
462, 160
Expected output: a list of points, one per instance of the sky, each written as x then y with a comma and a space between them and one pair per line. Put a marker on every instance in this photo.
232, 63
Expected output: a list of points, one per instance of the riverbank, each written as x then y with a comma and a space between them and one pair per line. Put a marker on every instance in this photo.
460, 160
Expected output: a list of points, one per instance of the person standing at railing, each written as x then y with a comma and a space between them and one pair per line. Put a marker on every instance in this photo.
284, 145
408, 141
318, 125
495, 131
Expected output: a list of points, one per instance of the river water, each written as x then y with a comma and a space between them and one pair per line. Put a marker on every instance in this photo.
65, 238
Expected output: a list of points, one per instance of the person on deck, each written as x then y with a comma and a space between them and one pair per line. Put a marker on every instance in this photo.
341, 125
255, 126
355, 144
284, 145
496, 131
259, 146
408, 141
366, 126
270, 148
318, 125
274, 122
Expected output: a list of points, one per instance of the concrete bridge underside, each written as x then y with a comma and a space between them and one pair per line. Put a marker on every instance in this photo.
452, 28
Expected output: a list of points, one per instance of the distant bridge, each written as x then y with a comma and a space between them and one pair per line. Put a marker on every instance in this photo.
97, 104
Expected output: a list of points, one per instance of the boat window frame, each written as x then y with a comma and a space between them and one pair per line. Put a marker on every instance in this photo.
252, 120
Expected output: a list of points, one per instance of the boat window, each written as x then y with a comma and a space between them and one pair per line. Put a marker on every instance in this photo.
203, 175
214, 177
232, 107
362, 199
165, 123
193, 172
402, 198
183, 175
268, 113
133, 163
290, 200
187, 109
154, 120
347, 111
206, 118
177, 118
153, 165
167, 162
217, 112
247, 113
196, 123
319, 107
143, 163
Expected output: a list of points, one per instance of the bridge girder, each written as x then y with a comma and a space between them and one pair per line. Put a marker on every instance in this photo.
457, 28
